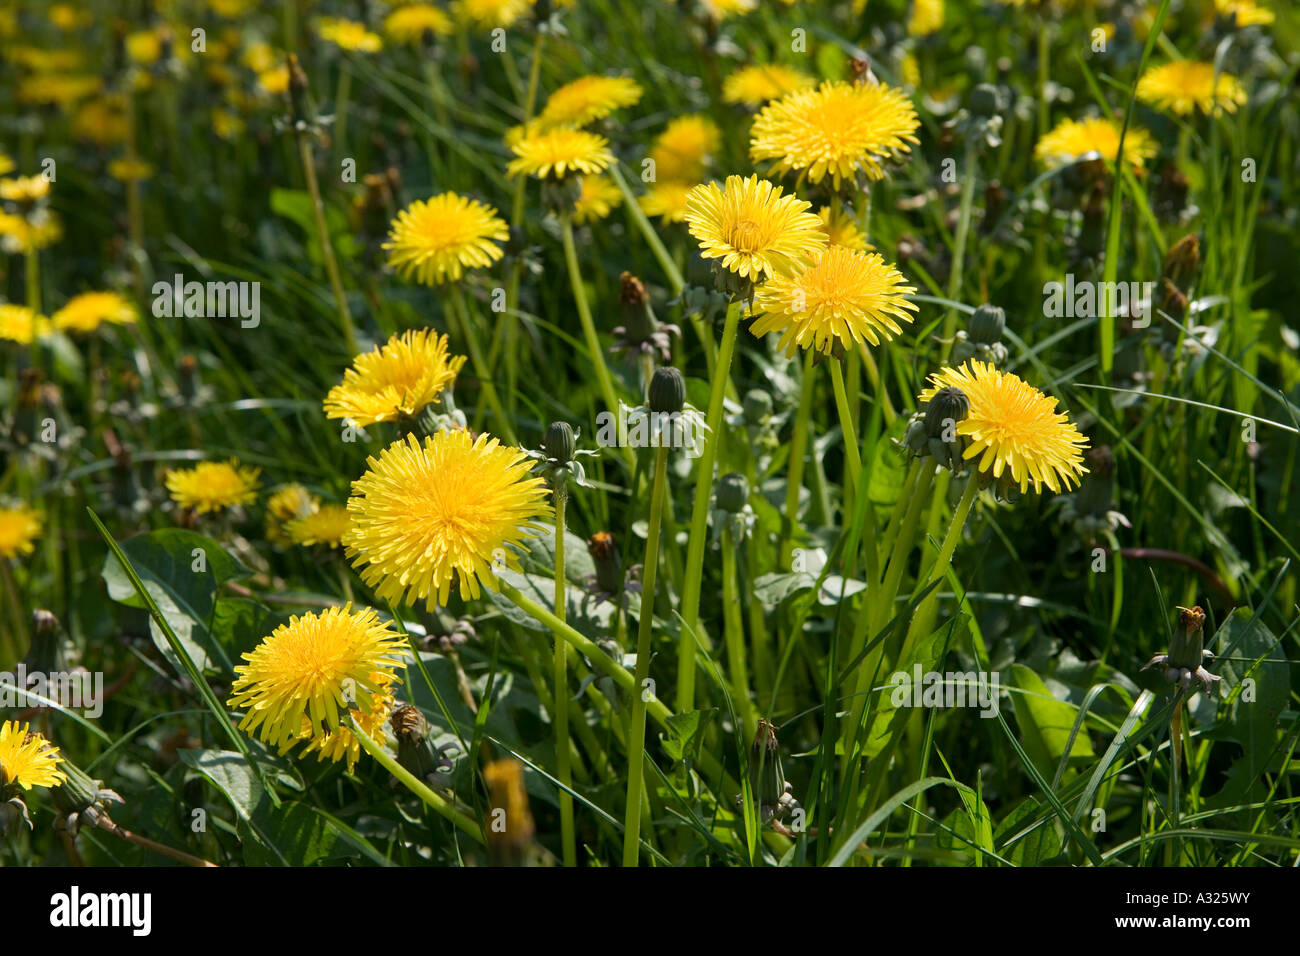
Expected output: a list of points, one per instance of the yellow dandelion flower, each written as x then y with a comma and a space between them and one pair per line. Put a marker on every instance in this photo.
130, 170
589, 98
395, 381
259, 57
342, 744
23, 235
274, 81
101, 120
90, 310
348, 35
226, 125
757, 84
1071, 140
751, 227
299, 680
6, 164
841, 230
1243, 13
424, 515
560, 152
1186, 85
410, 23
213, 485
284, 505
436, 240
27, 759
836, 130
1014, 427
685, 148
489, 14
842, 298
19, 529
24, 188
326, 526
143, 47
926, 18
721, 9
667, 200
599, 197
67, 17
20, 324
58, 89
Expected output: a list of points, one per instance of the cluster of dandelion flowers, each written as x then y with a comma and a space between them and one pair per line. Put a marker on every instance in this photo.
1072, 140
588, 98
213, 485
424, 515
752, 227
1187, 85
436, 240
835, 130
90, 310
560, 152
299, 680
19, 528
27, 759
395, 381
1013, 427
843, 298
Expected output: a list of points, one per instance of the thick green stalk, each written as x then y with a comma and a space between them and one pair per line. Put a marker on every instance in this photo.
852, 458
444, 808
923, 619
692, 579
959, 247
588, 325
327, 247
645, 628
734, 632
794, 466
560, 696
470, 333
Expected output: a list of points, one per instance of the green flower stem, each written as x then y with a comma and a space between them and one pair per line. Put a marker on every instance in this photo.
589, 327
692, 580
656, 709
734, 631
794, 466
509, 318
874, 614
342, 97
560, 696
923, 619
469, 330
873, 376
959, 247
886, 542
327, 247
852, 458
645, 626
439, 805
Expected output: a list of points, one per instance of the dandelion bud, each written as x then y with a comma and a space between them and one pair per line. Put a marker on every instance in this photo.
986, 101
187, 381
987, 324
949, 406
757, 406
559, 442
47, 652
81, 800
766, 777
609, 565
1173, 302
1182, 261
667, 391
732, 493
415, 750
1186, 649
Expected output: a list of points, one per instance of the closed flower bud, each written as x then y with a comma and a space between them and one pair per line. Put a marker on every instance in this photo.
757, 406
667, 391
987, 324
949, 406
1182, 261
986, 101
733, 493
609, 565
559, 442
